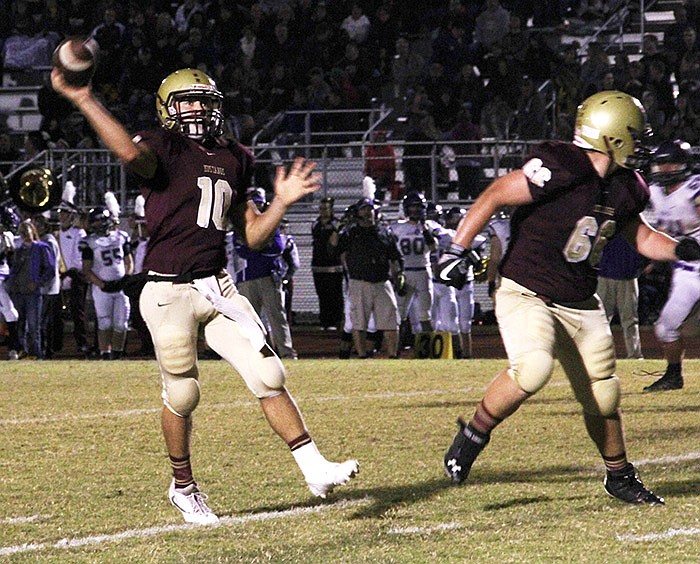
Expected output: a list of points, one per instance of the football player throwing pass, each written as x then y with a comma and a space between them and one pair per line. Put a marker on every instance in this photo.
194, 181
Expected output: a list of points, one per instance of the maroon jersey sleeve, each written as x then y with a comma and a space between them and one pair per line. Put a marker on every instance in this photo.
556, 241
188, 201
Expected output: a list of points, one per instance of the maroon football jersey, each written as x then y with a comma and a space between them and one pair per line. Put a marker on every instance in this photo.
188, 201
557, 240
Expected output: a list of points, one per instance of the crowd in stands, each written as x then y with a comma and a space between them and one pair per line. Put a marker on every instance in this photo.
466, 66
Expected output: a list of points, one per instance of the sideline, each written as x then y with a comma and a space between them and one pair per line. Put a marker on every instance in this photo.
162, 529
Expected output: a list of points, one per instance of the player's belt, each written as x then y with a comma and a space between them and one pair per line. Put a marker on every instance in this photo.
185, 278
327, 269
415, 269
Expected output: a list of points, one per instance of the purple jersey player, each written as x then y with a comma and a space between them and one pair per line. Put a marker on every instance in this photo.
571, 199
194, 181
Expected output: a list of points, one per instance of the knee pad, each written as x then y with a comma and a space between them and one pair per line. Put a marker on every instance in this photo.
605, 397
666, 334
176, 350
268, 373
532, 370
181, 392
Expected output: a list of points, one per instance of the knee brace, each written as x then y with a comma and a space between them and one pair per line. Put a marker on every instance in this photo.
605, 398
532, 370
665, 333
267, 373
181, 392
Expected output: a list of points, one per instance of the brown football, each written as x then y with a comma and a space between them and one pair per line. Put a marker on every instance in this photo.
75, 58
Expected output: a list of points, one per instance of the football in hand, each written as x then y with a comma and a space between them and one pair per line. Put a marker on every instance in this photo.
75, 58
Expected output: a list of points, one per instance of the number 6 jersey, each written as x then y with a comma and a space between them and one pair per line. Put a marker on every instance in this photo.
189, 199
556, 241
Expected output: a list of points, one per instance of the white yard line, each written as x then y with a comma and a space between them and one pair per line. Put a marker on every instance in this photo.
20, 520
424, 530
251, 403
669, 534
162, 529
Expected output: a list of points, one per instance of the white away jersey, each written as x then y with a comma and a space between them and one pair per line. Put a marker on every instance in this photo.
415, 251
107, 253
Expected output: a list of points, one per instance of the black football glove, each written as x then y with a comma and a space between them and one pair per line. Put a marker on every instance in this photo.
453, 267
111, 286
688, 249
429, 236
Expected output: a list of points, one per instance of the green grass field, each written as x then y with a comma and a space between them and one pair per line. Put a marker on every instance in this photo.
85, 474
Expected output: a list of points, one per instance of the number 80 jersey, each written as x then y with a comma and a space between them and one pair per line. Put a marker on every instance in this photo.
189, 200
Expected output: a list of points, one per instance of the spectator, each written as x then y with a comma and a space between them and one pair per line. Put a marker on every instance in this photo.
688, 58
684, 122
406, 69
73, 282
469, 89
32, 267
380, 165
420, 140
260, 284
51, 304
652, 52
618, 289
492, 24
372, 259
451, 48
567, 78
659, 83
184, 13
111, 37
326, 266
357, 25
530, 116
593, 69
634, 85
467, 163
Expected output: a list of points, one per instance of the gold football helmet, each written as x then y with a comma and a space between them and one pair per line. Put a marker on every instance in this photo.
190, 85
613, 123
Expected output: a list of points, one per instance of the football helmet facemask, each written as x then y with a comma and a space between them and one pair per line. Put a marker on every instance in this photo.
671, 163
100, 220
177, 108
613, 123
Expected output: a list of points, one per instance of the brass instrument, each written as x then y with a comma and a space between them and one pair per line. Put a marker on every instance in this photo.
35, 190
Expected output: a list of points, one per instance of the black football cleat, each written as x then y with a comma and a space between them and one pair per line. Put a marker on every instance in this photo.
625, 485
669, 381
466, 446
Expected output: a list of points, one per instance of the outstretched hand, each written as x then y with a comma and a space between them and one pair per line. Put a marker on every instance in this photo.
300, 181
